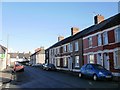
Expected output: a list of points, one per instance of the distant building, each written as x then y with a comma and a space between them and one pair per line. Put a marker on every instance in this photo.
3, 57
38, 56
18, 57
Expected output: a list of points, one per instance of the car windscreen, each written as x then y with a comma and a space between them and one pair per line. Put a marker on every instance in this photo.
99, 67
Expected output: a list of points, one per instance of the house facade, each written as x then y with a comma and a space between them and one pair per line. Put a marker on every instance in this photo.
38, 56
99, 44
102, 46
66, 54
3, 57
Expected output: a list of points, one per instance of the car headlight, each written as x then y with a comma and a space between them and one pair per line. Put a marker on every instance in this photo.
100, 73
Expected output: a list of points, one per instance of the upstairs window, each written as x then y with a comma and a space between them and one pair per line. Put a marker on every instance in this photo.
64, 48
76, 46
105, 38
117, 34
99, 40
90, 42
71, 47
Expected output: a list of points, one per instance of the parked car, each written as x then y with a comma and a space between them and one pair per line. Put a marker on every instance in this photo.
95, 71
37, 65
18, 67
49, 66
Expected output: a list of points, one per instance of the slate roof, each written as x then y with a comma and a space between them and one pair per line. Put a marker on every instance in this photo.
2, 49
110, 22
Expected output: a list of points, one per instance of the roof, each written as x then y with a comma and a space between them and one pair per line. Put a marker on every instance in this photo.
110, 22
2, 49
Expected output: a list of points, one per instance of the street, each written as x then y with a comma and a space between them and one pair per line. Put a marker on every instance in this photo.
34, 77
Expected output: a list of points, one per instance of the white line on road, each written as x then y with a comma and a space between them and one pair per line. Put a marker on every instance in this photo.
7, 85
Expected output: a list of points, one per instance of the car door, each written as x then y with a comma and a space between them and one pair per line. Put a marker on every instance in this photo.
89, 70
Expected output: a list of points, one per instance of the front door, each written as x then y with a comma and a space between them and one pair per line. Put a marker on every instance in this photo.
106, 61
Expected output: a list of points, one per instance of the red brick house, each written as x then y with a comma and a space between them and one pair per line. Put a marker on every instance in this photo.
102, 44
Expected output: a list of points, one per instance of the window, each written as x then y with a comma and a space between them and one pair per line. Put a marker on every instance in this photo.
58, 62
76, 46
105, 38
117, 34
99, 40
91, 58
90, 41
116, 60
65, 62
65, 49
76, 61
71, 47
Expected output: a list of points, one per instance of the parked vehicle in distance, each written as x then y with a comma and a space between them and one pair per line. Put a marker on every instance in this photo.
95, 71
37, 65
47, 66
18, 67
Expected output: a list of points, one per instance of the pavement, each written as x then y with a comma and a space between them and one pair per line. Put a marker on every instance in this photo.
5, 76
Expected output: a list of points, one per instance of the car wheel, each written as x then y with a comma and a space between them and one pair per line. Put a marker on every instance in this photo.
80, 75
95, 77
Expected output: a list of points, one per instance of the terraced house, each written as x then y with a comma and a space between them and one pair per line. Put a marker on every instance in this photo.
99, 43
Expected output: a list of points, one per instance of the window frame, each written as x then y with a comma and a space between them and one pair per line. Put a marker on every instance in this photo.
76, 46
99, 38
105, 38
77, 64
90, 42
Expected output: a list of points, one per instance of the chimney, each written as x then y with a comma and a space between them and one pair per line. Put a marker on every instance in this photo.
74, 30
60, 38
37, 49
98, 18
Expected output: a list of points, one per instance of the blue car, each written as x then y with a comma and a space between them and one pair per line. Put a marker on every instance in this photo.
95, 71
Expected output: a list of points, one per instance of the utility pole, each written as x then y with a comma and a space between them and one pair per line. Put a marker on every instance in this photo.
7, 51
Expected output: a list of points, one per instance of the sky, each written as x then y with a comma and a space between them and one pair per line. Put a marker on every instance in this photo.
30, 25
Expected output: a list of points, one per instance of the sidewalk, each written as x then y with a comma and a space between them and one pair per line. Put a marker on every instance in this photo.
6, 75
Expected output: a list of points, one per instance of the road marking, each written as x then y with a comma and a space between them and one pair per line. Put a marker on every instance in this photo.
0, 84
90, 83
7, 85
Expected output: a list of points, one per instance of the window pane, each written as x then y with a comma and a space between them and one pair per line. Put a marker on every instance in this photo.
99, 40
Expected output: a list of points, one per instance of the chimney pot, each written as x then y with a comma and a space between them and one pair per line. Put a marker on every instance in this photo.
60, 38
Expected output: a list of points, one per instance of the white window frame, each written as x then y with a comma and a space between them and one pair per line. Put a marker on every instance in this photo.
99, 38
116, 64
77, 61
64, 48
76, 46
68, 47
117, 31
71, 47
105, 38
58, 62
65, 62
90, 42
